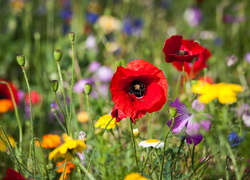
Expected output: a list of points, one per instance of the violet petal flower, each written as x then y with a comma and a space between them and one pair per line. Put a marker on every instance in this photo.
247, 57
104, 74
188, 120
93, 67
193, 16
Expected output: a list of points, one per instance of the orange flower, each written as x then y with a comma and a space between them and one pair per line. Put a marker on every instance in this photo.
50, 141
69, 167
6, 105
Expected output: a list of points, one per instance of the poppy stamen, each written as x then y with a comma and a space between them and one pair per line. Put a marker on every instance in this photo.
182, 52
137, 88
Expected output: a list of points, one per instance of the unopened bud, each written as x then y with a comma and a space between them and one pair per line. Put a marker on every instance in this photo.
57, 55
21, 60
71, 36
172, 111
49, 166
87, 88
30, 164
142, 159
136, 132
54, 85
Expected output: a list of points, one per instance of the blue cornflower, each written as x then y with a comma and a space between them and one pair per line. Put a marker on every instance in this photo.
234, 140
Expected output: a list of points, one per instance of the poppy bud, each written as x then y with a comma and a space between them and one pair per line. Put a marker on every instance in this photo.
71, 36
172, 111
54, 85
57, 55
30, 164
87, 88
21, 60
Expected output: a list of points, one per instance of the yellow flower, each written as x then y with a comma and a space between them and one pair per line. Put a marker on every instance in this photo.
2, 145
135, 176
67, 149
82, 117
226, 93
103, 121
109, 24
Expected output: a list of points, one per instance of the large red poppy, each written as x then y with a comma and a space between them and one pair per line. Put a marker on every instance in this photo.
196, 66
13, 175
6, 103
177, 49
137, 89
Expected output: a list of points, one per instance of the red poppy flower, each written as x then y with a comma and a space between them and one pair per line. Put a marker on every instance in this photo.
177, 49
196, 66
208, 79
13, 175
139, 88
6, 103
35, 97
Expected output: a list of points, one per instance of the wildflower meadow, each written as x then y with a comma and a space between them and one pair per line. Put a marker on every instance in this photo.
124, 90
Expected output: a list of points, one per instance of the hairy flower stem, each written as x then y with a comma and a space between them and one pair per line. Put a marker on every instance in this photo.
92, 122
72, 85
64, 168
44, 163
17, 117
134, 147
31, 122
64, 118
61, 80
165, 139
184, 78
9, 146
176, 156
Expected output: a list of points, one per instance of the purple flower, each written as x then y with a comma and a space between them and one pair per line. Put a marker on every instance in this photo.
79, 86
93, 67
233, 19
188, 120
246, 118
104, 74
234, 140
193, 16
247, 57
132, 26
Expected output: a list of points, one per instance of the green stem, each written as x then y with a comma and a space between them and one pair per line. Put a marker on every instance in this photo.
61, 80
193, 158
64, 118
165, 139
176, 156
17, 117
79, 164
184, 78
92, 122
65, 164
44, 163
158, 159
134, 147
9, 146
31, 122
60, 123
72, 84
149, 125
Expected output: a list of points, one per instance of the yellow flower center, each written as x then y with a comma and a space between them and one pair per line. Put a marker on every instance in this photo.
152, 140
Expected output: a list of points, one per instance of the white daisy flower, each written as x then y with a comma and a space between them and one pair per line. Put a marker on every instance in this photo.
151, 143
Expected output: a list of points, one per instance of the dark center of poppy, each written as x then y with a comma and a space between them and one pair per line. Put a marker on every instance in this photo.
2, 96
182, 52
137, 88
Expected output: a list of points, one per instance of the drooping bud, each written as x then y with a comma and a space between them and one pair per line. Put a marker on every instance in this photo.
172, 111
54, 85
87, 88
71, 36
21, 60
57, 55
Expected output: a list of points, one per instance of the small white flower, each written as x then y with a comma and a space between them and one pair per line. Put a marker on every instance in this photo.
151, 143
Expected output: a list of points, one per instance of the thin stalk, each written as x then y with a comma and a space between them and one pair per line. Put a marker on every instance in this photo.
62, 113
158, 159
193, 158
61, 81
59, 121
17, 117
184, 78
9, 146
134, 147
72, 85
44, 163
31, 122
92, 122
112, 132
79, 164
165, 139
176, 156
149, 125
65, 164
